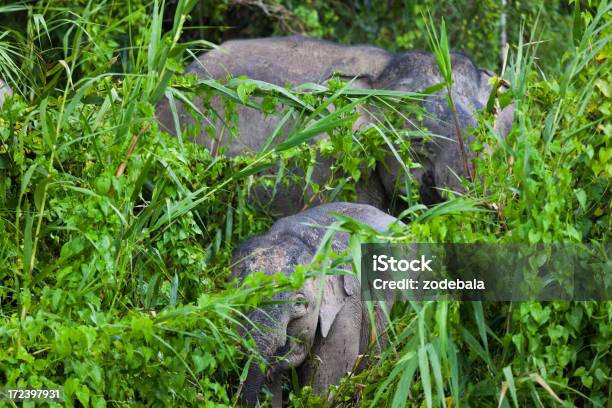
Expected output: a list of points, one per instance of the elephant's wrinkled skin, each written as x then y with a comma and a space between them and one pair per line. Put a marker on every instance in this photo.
297, 60
298, 332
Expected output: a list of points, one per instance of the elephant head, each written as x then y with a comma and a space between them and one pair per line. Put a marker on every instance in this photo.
445, 155
285, 330
323, 319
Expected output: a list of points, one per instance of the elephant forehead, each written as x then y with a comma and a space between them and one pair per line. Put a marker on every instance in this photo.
274, 259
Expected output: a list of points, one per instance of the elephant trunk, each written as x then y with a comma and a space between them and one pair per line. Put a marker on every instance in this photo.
252, 385
269, 335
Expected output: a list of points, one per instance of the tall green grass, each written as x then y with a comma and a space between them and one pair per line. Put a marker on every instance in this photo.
461, 354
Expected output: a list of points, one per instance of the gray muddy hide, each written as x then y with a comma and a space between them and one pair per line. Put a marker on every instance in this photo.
320, 329
5, 91
292, 61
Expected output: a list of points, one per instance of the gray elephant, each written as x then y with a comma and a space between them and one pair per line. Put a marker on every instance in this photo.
297, 60
325, 323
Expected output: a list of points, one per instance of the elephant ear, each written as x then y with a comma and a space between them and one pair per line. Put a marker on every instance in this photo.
336, 291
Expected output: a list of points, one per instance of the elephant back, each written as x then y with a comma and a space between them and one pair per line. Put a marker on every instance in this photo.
293, 60
310, 226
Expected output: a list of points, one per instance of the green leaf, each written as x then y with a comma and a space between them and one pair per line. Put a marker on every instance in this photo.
578, 26
143, 326
511, 385
480, 323
103, 184
587, 381
25, 181
400, 398
40, 192
425, 375
244, 90
581, 196
73, 247
82, 393
437, 371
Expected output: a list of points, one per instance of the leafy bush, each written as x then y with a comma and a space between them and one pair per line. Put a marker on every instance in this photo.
474, 27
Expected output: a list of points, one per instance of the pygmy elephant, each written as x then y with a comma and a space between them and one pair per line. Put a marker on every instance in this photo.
325, 323
296, 60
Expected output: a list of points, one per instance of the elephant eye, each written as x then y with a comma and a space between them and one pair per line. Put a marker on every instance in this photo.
301, 299
300, 305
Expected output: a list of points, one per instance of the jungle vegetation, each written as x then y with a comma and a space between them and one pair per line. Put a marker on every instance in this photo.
116, 237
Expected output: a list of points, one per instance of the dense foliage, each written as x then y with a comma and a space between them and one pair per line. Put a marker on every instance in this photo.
115, 237
474, 27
